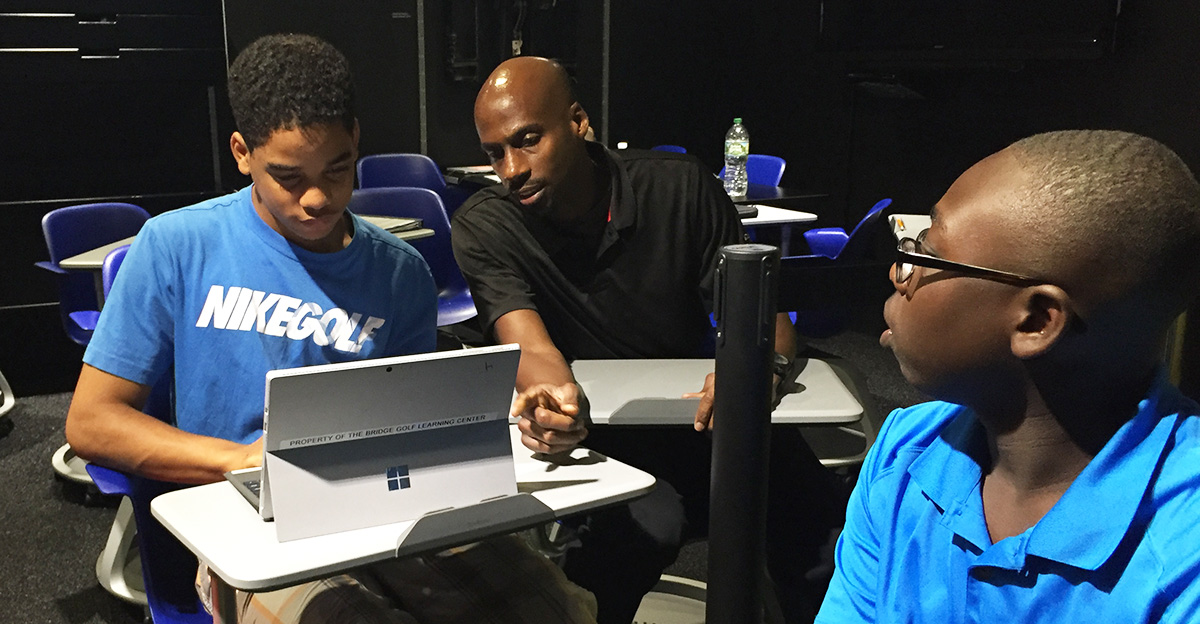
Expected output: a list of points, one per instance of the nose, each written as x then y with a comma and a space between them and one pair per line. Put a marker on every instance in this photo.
892, 276
514, 168
314, 199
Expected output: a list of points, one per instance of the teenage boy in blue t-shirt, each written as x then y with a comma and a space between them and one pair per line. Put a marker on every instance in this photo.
1056, 478
280, 275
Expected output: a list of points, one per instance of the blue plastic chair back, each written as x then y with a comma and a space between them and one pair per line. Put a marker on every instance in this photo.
669, 148
417, 170
112, 262
762, 169
72, 230
859, 241
454, 298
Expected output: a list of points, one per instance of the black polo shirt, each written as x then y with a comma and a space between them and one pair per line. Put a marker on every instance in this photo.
642, 288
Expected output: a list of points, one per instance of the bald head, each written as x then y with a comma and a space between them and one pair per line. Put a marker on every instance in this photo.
533, 130
1108, 214
536, 84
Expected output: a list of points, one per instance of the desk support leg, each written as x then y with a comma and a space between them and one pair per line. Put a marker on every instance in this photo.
98, 282
224, 601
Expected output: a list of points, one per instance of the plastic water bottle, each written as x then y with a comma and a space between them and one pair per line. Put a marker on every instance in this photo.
737, 148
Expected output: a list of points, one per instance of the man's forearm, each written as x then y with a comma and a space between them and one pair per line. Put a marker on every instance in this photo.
543, 367
785, 335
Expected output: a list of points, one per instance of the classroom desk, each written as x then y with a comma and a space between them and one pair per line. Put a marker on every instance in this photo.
648, 392
783, 218
93, 259
777, 195
216, 523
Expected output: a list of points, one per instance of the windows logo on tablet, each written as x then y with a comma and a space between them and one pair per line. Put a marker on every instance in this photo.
397, 478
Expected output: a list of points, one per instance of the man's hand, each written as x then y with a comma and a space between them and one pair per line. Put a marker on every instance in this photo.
550, 418
704, 413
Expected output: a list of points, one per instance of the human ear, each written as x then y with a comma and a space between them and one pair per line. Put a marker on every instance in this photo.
1044, 318
579, 117
241, 152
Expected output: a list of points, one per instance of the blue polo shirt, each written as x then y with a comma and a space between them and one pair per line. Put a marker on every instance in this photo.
1121, 545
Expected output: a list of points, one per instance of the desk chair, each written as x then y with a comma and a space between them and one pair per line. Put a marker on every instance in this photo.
454, 298
831, 242
840, 258
414, 170
167, 568
669, 148
762, 169
73, 230
70, 231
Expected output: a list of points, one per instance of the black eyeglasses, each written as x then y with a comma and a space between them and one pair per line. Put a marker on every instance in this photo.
910, 256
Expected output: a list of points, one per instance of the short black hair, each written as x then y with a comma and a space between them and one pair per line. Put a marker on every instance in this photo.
1122, 206
282, 82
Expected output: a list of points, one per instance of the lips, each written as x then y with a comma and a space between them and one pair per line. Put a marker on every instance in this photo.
321, 221
885, 339
529, 195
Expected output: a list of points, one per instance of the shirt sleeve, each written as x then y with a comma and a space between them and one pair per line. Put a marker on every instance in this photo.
722, 227
496, 287
134, 337
855, 583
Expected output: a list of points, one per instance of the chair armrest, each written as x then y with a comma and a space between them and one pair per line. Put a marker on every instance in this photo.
50, 266
826, 242
110, 481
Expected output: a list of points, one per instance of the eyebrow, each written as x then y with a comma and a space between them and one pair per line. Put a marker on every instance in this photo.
281, 168
519, 132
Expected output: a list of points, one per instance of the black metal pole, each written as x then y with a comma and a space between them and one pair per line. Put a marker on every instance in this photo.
746, 290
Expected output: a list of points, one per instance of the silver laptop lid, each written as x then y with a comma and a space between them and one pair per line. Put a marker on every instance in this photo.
370, 442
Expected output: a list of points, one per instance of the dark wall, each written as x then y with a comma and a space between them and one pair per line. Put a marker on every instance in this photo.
118, 105
679, 73
861, 131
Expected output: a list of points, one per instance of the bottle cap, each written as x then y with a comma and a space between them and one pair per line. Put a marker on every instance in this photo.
737, 120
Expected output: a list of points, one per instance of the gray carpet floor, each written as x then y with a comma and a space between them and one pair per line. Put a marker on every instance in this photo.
50, 536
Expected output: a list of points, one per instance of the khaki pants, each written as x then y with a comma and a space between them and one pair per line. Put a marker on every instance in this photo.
500, 581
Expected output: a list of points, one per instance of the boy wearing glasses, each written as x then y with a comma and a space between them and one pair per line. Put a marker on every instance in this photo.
1056, 477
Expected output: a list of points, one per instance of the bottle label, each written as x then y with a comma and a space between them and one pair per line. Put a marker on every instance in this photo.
737, 148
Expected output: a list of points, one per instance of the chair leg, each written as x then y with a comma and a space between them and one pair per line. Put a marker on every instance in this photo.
119, 568
70, 466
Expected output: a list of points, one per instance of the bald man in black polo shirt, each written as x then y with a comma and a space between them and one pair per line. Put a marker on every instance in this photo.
583, 253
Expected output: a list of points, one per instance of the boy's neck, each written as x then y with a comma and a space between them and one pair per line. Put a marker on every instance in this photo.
1034, 457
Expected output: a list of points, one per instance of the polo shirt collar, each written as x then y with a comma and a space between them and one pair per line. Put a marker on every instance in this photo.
622, 205
1108, 492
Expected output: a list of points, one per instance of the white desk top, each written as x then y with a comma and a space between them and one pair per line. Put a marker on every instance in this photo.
771, 215
217, 524
93, 260
647, 392
908, 225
